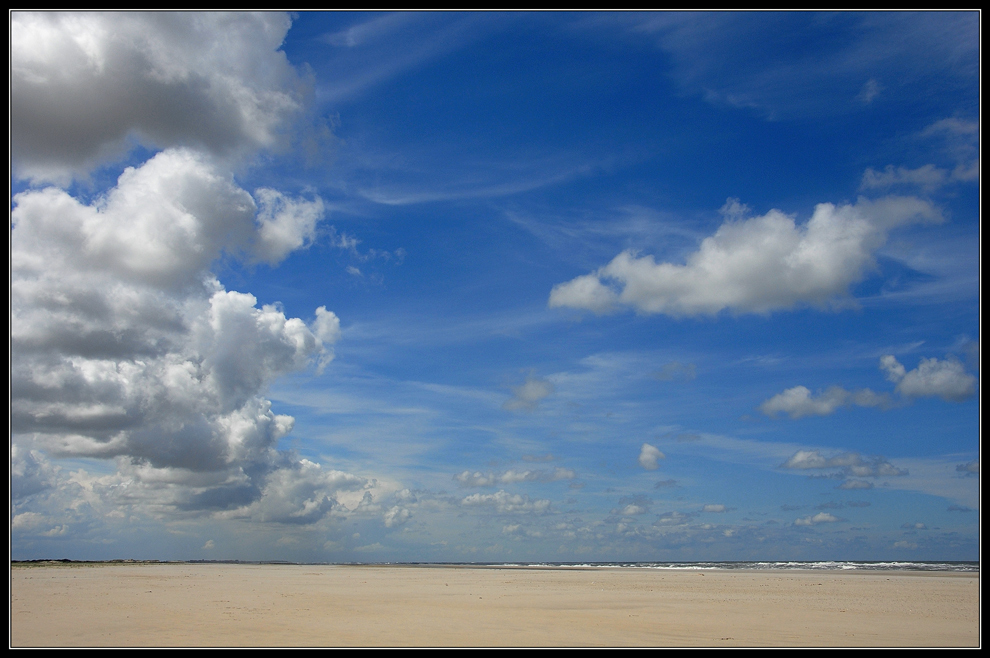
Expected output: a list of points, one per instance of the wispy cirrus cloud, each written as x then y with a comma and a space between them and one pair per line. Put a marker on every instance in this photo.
748, 61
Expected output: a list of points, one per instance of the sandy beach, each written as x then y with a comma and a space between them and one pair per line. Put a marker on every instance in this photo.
294, 606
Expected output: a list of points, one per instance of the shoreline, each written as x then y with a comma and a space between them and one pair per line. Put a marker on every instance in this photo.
856, 567
218, 604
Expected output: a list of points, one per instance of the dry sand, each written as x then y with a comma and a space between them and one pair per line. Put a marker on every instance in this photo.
276, 605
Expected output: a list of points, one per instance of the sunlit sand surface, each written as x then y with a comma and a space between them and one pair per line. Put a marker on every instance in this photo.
292, 605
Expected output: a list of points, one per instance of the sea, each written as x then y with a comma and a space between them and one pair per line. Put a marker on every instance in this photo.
826, 565
821, 565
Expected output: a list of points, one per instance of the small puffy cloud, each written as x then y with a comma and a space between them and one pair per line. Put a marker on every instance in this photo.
396, 516
511, 477
476, 479
209, 545
649, 456
851, 484
284, 224
895, 371
871, 89
717, 509
30, 472
849, 463
327, 326
969, 468
585, 292
527, 396
946, 379
633, 505
806, 459
27, 521
757, 265
562, 474
33, 523
821, 517
672, 519
507, 503
85, 87
479, 479
799, 402
914, 526
733, 208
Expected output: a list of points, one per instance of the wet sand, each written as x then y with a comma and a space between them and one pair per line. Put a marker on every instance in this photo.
294, 606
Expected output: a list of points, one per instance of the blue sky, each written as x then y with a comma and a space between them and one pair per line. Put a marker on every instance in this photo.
495, 287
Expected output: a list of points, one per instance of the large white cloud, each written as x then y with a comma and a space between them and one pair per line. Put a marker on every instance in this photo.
85, 86
755, 265
124, 344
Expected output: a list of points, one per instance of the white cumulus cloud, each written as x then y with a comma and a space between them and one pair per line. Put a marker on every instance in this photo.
849, 463
479, 479
821, 517
124, 344
799, 402
649, 456
507, 503
529, 394
755, 265
946, 379
932, 378
85, 86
